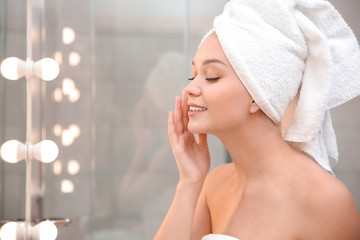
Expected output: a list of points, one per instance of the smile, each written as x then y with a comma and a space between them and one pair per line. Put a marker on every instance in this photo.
192, 108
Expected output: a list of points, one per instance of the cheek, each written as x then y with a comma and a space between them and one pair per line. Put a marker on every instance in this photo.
231, 107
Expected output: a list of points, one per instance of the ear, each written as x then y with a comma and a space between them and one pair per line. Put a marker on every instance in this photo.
253, 107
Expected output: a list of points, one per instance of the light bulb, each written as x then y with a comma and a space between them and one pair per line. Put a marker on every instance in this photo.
57, 167
68, 86
68, 35
67, 186
57, 95
13, 68
67, 138
48, 231
13, 151
74, 95
8, 231
45, 151
45, 230
75, 130
74, 59
47, 69
73, 167
57, 130
58, 57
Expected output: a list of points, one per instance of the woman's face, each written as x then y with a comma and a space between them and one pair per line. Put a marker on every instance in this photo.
217, 99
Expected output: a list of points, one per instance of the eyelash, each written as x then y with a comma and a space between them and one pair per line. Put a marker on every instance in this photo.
208, 79
212, 79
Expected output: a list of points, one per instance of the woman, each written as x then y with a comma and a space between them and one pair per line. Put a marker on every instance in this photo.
263, 81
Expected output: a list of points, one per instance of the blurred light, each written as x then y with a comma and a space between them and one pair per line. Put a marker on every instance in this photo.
58, 57
67, 138
68, 135
45, 151
75, 130
57, 130
58, 95
74, 59
73, 167
67, 186
68, 35
13, 151
8, 231
47, 69
68, 86
74, 95
13, 68
57, 167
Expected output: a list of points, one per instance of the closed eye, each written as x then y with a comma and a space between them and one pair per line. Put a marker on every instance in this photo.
213, 79
190, 79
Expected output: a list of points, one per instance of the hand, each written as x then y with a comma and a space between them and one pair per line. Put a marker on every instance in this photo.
192, 157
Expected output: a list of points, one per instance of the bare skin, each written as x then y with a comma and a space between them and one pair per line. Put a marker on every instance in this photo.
270, 191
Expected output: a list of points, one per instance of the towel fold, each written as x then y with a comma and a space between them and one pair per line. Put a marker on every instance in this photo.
281, 49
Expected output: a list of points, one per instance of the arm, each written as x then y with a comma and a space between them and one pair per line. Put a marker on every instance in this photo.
193, 161
179, 219
202, 218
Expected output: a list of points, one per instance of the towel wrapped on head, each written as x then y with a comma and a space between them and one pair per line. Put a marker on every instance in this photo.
293, 53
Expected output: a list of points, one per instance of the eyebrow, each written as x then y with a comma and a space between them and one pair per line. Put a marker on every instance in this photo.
208, 61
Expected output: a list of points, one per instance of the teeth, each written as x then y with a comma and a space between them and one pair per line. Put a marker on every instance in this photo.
197, 109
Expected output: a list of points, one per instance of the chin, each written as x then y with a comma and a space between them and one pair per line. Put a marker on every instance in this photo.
195, 128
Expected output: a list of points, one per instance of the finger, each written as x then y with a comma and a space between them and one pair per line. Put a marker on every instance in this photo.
185, 111
171, 127
178, 115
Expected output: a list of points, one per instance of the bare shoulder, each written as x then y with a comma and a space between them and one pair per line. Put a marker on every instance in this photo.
218, 177
329, 211
221, 172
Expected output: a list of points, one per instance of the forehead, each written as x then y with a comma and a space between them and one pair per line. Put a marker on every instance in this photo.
210, 48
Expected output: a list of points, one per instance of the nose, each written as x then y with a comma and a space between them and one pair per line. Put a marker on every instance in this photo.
193, 89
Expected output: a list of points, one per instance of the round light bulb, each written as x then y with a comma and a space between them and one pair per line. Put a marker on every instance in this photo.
13, 151
49, 151
57, 167
73, 167
13, 68
67, 138
74, 95
45, 230
48, 231
67, 186
75, 130
68, 35
58, 57
8, 231
74, 59
45, 151
57, 130
47, 69
58, 95
68, 86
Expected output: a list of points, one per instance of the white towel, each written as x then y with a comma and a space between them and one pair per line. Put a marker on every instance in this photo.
281, 48
218, 237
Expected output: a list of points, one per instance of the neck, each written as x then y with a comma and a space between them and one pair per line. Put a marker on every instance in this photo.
258, 149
